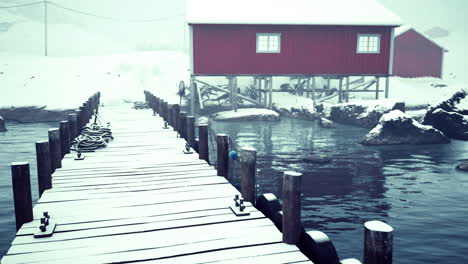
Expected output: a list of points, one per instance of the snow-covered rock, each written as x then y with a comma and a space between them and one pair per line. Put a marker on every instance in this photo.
2, 125
34, 114
463, 166
397, 127
363, 113
202, 120
325, 123
247, 114
447, 118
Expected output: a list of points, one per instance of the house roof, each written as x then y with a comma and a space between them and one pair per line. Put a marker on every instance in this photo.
290, 12
405, 28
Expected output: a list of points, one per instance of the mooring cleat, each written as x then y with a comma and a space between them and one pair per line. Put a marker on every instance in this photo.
79, 156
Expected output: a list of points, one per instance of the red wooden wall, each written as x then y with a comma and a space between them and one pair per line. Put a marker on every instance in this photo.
231, 49
416, 56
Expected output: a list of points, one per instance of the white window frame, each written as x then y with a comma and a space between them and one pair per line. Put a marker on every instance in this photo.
368, 51
268, 42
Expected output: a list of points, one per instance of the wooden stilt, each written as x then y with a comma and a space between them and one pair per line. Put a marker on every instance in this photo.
340, 91
347, 88
308, 87
234, 89
192, 95
313, 91
270, 96
387, 86
377, 84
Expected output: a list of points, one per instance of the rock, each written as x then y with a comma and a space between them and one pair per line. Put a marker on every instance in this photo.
325, 123
247, 114
447, 118
2, 125
363, 113
203, 120
397, 127
463, 166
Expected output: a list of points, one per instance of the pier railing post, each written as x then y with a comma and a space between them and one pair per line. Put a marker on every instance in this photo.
44, 172
222, 145
161, 108
183, 125
191, 131
292, 227
378, 243
55, 146
22, 193
165, 111
203, 153
170, 114
157, 103
72, 122
248, 160
64, 138
176, 113
79, 122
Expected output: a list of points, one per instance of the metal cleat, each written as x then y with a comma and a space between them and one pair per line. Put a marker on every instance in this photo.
239, 209
79, 156
46, 228
188, 149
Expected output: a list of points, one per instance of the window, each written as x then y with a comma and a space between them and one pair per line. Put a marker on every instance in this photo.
368, 43
268, 42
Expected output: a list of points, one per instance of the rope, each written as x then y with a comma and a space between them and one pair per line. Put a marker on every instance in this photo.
113, 18
92, 138
21, 5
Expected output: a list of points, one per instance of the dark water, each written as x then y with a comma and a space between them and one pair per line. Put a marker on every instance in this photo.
416, 189
17, 144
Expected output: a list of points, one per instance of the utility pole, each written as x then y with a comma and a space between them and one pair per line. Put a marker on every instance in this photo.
45, 28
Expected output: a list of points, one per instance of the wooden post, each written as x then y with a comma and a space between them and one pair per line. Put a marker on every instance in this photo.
265, 85
79, 122
347, 88
164, 111
270, 96
259, 89
378, 243
192, 95
44, 172
64, 138
54, 146
170, 115
161, 108
292, 182
22, 193
183, 125
313, 91
203, 153
176, 112
234, 89
72, 123
190, 130
308, 88
248, 162
340, 91
2, 125
387, 86
157, 103
328, 82
377, 86
231, 91
222, 145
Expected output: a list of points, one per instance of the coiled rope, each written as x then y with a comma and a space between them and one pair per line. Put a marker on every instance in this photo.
92, 138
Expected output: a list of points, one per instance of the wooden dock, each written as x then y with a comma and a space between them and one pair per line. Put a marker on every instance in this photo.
142, 199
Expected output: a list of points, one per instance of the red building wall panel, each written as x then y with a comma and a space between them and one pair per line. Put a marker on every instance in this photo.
231, 49
416, 56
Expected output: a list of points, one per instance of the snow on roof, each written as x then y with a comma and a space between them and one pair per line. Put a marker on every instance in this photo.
405, 28
291, 12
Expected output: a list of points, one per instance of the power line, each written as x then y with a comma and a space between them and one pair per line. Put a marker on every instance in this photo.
113, 18
28, 4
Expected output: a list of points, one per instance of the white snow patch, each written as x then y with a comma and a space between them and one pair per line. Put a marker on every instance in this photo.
293, 12
246, 113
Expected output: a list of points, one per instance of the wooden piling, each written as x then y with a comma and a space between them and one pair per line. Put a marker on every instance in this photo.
222, 153
79, 122
190, 128
203, 152
377, 87
22, 193
387, 86
340, 91
55, 149
347, 88
176, 113
292, 182
378, 243
248, 162
164, 110
73, 125
183, 125
157, 103
2, 125
170, 115
64, 138
268, 204
161, 108
270, 94
314, 85
44, 172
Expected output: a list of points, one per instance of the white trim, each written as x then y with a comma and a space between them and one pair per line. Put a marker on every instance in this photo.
392, 50
191, 48
268, 35
368, 35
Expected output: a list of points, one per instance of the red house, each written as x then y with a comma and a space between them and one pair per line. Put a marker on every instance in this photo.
295, 37
416, 55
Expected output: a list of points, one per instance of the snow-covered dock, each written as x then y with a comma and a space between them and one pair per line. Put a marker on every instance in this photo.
142, 199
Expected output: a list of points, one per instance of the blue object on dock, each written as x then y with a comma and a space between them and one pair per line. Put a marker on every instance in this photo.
233, 155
